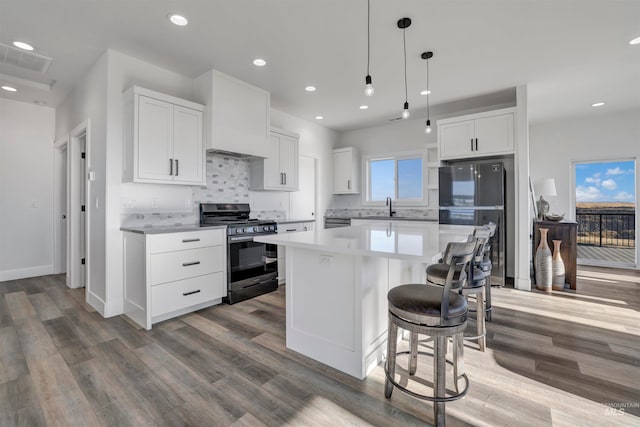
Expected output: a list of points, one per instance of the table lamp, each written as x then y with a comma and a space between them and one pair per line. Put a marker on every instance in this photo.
546, 186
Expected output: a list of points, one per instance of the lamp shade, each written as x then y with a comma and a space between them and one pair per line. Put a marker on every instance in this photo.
545, 187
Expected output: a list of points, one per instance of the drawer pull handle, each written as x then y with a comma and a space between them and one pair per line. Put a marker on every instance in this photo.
187, 264
191, 293
291, 229
190, 240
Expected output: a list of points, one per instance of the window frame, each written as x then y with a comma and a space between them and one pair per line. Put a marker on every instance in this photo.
366, 178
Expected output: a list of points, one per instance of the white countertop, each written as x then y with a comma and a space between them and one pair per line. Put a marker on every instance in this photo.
423, 241
163, 229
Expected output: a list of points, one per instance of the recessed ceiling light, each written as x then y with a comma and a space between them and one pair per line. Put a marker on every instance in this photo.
9, 89
597, 104
364, 107
178, 19
310, 88
319, 117
425, 92
635, 41
259, 62
23, 45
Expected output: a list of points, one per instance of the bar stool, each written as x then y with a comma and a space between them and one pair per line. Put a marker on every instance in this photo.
486, 265
474, 285
437, 311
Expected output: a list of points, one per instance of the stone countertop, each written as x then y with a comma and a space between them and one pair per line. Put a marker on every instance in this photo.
419, 242
382, 218
163, 229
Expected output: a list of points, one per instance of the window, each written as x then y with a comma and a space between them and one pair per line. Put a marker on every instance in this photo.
398, 177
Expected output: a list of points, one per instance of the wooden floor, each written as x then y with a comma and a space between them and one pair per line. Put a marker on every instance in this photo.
552, 359
607, 254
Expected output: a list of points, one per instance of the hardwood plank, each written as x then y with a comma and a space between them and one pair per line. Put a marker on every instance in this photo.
12, 362
19, 306
19, 403
34, 339
44, 306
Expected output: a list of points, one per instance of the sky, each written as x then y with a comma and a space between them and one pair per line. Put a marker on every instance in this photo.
605, 182
383, 179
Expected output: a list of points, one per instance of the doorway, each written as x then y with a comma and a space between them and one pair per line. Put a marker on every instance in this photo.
606, 212
71, 213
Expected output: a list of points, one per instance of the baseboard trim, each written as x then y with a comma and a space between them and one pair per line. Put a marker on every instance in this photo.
523, 284
25, 273
96, 302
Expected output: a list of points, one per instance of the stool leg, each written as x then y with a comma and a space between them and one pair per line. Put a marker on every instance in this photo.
390, 367
488, 297
458, 359
482, 340
413, 357
439, 378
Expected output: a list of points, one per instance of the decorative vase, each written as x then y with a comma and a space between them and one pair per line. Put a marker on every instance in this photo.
557, 267
543, 262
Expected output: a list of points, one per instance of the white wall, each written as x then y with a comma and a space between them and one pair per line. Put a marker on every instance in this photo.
26, 189
315, 141
554, 145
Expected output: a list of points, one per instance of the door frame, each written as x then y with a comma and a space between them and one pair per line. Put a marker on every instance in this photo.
61, 150
73, 226
572, 201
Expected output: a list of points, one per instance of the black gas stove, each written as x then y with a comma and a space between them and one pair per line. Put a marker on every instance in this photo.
252, 267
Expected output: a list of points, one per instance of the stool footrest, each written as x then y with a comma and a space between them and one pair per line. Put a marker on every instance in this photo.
439, 399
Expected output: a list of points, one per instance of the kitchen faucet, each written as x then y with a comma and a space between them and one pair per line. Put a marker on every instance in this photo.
388, 203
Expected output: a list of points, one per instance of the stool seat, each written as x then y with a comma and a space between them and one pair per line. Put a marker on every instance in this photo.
437, 274
418, 300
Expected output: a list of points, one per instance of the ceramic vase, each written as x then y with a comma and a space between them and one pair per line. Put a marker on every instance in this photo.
543, 263
557, 267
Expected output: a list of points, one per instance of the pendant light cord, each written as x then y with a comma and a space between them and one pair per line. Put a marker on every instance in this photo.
404, 43
368, 34
428, 115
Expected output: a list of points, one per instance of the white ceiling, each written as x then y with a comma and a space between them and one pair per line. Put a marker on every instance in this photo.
571, 53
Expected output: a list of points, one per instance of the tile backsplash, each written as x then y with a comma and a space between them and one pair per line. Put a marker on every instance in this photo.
227, 179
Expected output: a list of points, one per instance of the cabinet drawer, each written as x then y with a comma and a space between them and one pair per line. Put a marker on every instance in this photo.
172, 266
188, 240
174, 296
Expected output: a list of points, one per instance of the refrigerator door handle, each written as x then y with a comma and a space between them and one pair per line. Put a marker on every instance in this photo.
476, 144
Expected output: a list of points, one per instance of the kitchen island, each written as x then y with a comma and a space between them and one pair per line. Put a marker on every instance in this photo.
337, 284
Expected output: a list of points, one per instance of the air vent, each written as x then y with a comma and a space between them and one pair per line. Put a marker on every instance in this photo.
22, 59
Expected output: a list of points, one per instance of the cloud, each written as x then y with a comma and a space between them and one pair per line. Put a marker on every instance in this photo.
615, 171
609, 184
592, 180
587, 194
623, 196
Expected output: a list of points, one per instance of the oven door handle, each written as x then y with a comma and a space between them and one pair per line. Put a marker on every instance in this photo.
240, 239
269, 260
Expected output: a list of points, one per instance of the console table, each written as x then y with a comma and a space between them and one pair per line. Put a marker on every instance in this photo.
567, 232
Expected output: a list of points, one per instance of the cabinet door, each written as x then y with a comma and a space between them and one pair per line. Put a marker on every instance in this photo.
495, 134
289, 161
155, 139
187, 145
456, 139
302, 203
272, 173
342, 172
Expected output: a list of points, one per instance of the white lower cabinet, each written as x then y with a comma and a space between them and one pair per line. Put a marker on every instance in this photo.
167, 275
289, 228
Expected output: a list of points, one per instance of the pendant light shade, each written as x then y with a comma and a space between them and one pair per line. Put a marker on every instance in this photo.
426, 56
403, 24
368, 88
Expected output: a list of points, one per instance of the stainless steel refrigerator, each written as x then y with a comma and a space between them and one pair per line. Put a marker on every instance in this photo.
474, 194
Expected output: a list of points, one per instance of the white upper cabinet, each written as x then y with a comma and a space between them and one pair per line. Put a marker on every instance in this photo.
237, 118
279, 170
162, 139
477, 135
346, 171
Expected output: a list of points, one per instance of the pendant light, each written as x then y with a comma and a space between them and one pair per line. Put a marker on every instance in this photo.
368, 89
403, 24
426, 56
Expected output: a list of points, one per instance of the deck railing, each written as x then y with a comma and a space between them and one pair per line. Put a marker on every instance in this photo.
606, 229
